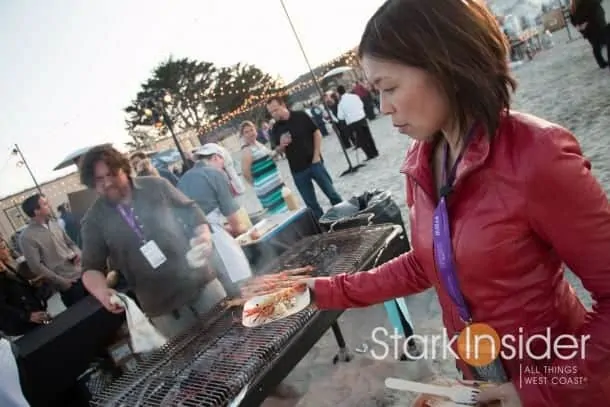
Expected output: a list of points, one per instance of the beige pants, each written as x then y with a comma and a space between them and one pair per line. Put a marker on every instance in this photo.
174, 323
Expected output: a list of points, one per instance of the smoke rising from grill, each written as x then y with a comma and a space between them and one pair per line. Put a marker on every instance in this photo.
218, 359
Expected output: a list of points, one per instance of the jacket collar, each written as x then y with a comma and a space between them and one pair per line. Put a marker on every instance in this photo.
418, 160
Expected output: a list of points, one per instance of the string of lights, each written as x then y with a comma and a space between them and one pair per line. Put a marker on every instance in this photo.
254, 101
256, 97
232, 89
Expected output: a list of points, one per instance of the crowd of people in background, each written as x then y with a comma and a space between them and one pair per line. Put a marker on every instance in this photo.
294, 135
47, 255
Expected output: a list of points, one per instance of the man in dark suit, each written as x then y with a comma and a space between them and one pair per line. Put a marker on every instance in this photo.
589, 18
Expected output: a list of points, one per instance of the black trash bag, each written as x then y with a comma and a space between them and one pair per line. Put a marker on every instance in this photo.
342, 210
369, 202
363, 201
382, 206
372, 207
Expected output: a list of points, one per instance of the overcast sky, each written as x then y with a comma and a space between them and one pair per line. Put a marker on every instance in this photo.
68, 67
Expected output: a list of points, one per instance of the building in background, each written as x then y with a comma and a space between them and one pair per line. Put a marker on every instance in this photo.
12, 217
188, 140
59, 189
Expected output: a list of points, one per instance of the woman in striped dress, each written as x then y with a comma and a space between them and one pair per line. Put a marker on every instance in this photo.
259, 169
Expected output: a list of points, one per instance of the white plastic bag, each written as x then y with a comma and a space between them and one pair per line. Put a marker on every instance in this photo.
10, 386
144, 336
232, 255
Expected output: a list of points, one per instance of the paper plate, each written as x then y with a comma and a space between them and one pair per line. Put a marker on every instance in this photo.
425, 400
262, 227
244, 239
299, 303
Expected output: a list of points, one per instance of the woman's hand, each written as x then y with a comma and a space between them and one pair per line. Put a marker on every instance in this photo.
506, 393
269, 283
39, 317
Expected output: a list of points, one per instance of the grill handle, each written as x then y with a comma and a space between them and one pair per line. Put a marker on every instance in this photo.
362, 219
396, 233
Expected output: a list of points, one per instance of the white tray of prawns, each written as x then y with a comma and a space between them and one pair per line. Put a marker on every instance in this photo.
275, 296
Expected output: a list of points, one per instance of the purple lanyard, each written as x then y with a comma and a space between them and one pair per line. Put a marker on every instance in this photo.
129, 217
441, 235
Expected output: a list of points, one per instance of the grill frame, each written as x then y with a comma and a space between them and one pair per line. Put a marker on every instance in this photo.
303, 341
278, 366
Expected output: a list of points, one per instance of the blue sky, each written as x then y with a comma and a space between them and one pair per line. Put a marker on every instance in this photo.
68, 67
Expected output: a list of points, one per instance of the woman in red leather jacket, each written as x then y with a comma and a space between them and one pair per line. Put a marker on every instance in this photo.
518, 197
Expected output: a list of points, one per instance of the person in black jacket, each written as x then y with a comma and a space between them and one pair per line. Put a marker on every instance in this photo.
21, 308
589, 18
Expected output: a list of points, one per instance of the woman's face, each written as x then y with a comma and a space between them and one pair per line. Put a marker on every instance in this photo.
249, 134
410, 96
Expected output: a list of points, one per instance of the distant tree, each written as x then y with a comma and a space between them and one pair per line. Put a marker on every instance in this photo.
143, 137
189, 83
240, 84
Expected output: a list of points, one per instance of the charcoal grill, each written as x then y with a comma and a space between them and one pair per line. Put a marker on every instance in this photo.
219, 362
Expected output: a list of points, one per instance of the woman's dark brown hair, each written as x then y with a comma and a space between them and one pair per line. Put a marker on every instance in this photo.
458, 42
110, 156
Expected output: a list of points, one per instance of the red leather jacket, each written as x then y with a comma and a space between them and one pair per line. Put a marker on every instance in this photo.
523, 204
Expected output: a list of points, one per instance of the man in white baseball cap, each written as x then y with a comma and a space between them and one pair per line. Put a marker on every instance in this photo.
220, 158
207, 184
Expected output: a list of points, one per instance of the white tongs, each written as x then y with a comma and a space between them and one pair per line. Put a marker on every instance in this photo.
458, 393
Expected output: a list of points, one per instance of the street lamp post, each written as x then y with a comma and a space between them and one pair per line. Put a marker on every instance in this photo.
170, 126
351, 168
17, 151
155, 108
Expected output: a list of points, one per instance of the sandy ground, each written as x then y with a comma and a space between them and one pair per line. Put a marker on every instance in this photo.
563, 85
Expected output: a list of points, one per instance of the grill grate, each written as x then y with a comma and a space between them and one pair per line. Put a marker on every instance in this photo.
211, 363
334, 253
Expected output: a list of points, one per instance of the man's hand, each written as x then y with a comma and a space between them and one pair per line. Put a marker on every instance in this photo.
39, 317
285, 140
228, 228
36, 281
103, 296
202, 239
316, 159
506, 393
